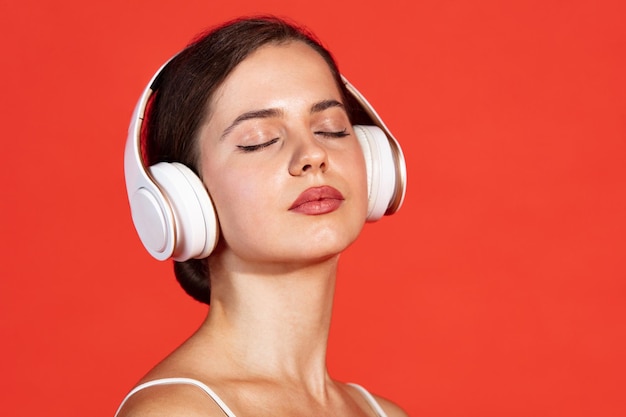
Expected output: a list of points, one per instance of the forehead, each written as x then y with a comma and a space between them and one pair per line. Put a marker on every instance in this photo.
276, 72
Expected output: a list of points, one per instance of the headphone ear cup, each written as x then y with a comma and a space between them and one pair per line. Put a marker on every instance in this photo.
195, 220
153, 220
381, 170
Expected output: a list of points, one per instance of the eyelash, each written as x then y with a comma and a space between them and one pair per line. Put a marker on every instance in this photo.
251, 148
340, 134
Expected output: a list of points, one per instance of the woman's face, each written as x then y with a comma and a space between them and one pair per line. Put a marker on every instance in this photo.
281, 161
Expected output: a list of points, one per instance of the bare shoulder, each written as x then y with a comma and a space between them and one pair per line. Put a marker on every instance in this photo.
170, 401
391, 409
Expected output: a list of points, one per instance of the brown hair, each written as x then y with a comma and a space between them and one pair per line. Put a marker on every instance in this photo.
184, 89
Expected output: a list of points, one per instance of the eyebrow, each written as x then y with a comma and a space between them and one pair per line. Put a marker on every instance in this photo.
270, 113
325, 104
254, 114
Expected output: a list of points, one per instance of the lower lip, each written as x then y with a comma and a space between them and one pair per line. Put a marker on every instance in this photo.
313, 208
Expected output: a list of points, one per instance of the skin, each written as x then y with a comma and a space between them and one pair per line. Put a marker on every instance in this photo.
262, 347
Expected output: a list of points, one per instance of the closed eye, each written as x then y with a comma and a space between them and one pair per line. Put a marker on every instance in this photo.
252, 148
339, 134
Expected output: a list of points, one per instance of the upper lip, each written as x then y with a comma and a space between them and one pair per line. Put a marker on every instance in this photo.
317, 194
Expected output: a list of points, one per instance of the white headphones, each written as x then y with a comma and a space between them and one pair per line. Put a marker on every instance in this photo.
173, 213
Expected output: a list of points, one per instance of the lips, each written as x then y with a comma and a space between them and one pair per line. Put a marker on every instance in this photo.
317, 200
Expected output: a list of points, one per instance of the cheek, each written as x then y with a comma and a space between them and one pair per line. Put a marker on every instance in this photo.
357, 175
241, 200
229, 194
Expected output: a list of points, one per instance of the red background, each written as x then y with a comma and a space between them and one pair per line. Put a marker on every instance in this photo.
497, 290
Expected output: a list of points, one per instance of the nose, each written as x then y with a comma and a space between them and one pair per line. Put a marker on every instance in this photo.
309, 157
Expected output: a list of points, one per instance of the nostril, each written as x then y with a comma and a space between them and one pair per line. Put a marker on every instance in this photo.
306, 167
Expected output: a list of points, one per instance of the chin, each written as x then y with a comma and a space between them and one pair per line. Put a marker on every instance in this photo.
327, 245
303, 244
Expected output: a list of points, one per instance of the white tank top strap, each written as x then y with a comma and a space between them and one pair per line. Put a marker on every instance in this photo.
370, 399
188, 381
227, 411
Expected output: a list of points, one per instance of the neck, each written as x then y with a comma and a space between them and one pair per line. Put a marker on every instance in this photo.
274, 321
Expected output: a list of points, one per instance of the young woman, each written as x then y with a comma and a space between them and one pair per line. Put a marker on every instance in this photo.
256, 113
